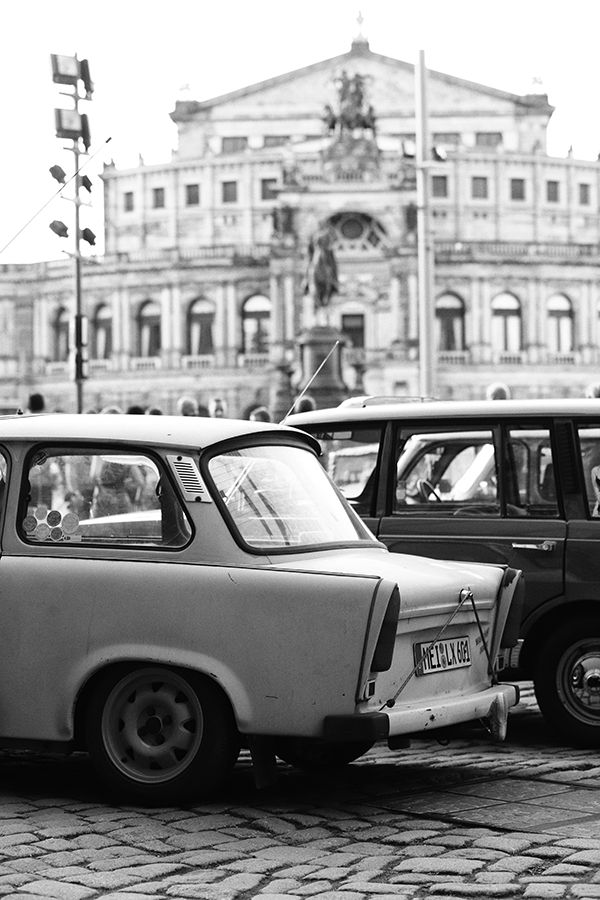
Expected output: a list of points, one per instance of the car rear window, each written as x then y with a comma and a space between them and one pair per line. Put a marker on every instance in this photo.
278, 497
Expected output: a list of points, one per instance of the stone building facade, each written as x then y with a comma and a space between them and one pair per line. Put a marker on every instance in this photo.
202, 289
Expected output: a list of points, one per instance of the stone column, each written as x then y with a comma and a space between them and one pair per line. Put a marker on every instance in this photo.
585, 335
228, 354
165, 327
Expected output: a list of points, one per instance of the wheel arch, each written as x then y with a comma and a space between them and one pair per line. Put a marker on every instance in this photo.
123, 667
546, 625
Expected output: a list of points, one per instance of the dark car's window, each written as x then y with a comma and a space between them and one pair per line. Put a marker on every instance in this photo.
446, 472
529, 473
496, 472
350, 455
98, 497
589, 442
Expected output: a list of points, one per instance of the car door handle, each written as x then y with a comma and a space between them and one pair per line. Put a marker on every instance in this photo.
546, 546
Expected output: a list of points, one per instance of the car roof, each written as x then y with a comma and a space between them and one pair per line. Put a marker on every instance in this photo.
372, 410
190, 431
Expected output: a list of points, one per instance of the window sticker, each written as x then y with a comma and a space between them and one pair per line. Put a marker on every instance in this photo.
51, 525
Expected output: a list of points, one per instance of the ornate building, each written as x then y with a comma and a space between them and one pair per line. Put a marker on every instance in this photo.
203, 286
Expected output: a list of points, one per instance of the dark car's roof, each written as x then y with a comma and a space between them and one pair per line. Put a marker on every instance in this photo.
186, 431
438, 409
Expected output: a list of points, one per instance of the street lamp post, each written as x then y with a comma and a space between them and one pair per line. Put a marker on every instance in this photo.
69, 70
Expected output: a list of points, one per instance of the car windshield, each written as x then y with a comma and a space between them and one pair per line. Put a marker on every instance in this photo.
279, 497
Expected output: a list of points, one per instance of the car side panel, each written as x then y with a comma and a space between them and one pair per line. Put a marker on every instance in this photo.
285, 646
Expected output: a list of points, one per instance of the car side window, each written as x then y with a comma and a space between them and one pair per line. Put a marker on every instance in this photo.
507, 472
350, 455
446, 473
93, 497
529, 473
589, 443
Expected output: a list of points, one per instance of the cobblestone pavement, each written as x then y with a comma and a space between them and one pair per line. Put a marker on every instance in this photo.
468, 820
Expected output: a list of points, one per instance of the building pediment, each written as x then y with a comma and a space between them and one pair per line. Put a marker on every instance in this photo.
390, 83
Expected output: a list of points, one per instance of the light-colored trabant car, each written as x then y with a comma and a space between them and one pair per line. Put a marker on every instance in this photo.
176, 588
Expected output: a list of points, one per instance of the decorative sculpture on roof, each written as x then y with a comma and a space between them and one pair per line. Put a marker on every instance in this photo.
354, 112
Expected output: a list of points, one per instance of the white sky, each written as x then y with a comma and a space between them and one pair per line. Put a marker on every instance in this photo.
141, 54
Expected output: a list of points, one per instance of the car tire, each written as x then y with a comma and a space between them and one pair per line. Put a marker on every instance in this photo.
160, 736
567, 681
315, 755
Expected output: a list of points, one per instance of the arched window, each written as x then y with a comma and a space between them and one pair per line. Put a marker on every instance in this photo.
101, 336
560, 324
356, 232
256, 324
60, 330
199, 330
450, 321
506, 323
148, 329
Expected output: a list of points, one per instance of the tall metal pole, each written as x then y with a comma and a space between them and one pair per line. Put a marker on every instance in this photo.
425, 257
78, 316
77, 331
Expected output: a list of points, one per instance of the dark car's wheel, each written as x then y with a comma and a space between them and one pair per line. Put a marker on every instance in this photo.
567, 680
160, 736
314, 755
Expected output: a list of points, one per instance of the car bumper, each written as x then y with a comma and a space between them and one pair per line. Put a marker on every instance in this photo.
492, 704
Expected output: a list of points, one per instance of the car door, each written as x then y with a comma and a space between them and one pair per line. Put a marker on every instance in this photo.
583, 560
483, 492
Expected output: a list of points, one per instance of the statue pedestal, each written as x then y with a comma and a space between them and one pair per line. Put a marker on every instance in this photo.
327, 388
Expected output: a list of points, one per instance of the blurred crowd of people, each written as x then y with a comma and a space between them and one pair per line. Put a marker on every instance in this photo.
187, 405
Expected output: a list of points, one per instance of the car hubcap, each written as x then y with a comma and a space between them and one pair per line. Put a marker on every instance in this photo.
578, 677
152, 725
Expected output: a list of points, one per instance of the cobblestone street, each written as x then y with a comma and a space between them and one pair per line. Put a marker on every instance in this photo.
470, 819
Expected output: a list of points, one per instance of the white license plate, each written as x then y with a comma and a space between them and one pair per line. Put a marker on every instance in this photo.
453, 653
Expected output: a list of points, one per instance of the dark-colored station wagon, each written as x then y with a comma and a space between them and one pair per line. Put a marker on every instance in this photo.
513, 482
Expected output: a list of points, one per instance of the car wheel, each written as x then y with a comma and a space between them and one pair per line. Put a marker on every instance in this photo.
567, 681
160, 736
315, 755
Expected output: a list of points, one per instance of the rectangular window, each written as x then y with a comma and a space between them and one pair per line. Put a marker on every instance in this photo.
353, 327
584, 194
552, 191
439, 185
517, 188
276, 140
488, 139
268, 189
229, 191
234, 144
446, 138
452, 471
158, 198
192, 195
479, 187
128, 201
101, 496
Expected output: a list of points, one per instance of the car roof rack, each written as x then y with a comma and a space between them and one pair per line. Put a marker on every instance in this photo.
372, 400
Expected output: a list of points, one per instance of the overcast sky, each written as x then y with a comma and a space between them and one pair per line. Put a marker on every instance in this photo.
141, 54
